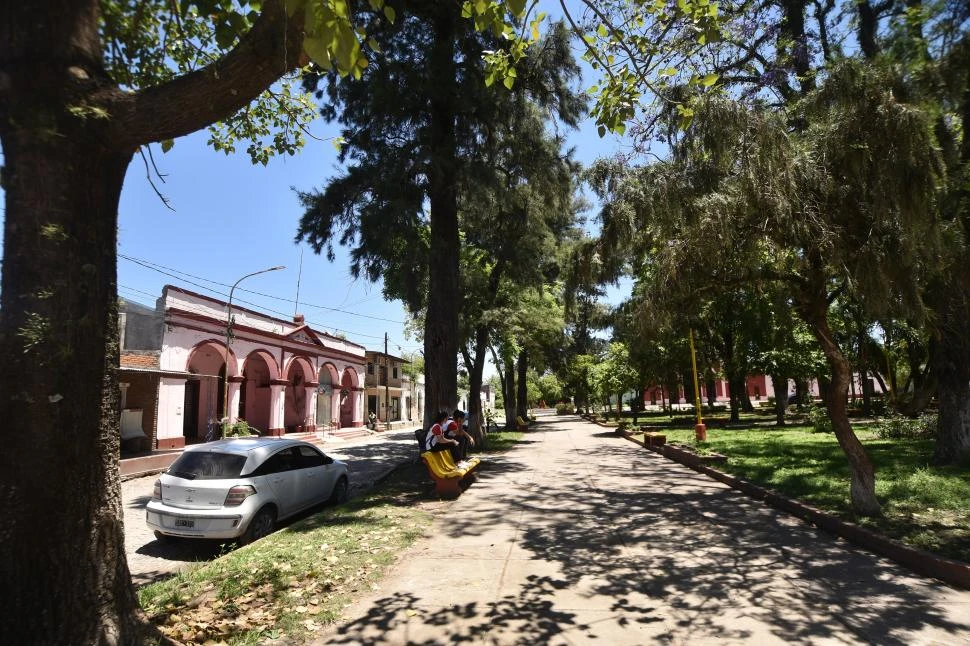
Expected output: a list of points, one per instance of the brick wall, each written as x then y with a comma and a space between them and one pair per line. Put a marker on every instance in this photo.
139, 360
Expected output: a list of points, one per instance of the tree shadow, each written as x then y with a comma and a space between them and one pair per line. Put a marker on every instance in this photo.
641, 544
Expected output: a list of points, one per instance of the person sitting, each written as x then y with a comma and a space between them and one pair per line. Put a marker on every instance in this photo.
436, 440
457, 429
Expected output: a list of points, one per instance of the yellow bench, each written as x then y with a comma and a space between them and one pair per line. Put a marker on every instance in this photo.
521, 424
445, 473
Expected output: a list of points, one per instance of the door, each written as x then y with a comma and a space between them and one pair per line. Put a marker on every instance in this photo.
316, 476
281, 472
190, 412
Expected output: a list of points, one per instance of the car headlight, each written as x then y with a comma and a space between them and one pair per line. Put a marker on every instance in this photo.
237, 495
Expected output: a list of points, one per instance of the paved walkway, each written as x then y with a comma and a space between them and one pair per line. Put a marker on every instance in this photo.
576, 537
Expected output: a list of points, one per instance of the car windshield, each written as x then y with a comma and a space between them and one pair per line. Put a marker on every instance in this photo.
207, 465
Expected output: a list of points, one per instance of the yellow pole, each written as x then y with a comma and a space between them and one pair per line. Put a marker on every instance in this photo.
700, 431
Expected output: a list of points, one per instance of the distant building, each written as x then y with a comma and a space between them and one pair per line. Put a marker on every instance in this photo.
387, 388
283, 376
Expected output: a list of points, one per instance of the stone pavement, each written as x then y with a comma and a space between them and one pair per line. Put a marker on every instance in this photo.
368, 460
576, 537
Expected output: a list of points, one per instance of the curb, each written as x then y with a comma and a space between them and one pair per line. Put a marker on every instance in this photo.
953, 572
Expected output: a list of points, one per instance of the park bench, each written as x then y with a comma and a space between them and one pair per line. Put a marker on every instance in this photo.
521, 424
446, 474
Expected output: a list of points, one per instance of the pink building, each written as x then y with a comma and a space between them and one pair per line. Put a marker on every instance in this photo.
282, 376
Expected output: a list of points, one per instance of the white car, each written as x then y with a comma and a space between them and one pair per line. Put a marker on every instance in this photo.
239, 488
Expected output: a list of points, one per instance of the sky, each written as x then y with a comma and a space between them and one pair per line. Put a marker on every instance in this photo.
232, 218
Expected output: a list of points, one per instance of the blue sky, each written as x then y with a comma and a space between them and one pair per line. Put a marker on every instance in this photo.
232, 218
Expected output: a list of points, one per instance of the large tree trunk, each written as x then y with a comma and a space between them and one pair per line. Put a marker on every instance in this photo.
862, 486
441, 321
952, 368
522, 408
475, 386
780, 384
63, 552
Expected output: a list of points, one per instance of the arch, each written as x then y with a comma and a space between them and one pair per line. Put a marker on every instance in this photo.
203, 350
205, 388
328, 370
268, 359
299, 372
350, 373
348, 396
255, 395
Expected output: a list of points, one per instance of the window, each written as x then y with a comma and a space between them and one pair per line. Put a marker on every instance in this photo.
370, 368
395, 372
285, 460
206, 465
310, 457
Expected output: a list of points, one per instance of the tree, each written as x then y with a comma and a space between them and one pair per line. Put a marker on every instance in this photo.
84, 86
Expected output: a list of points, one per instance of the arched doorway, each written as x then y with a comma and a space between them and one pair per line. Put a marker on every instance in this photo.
347, 385
255, 396
325, 396
298, 374
205, 389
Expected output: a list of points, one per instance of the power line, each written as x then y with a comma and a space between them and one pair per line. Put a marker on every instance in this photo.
159, 268
314, 324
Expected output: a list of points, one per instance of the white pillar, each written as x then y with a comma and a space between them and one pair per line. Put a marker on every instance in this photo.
277, 395
232, 409
357, 409
310, 401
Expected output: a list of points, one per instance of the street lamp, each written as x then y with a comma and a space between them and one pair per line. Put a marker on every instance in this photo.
225, 400
700, 430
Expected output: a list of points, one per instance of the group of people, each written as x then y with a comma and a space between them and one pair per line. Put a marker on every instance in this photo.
450, 433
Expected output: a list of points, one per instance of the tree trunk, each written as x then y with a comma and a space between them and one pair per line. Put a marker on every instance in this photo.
475, 386
522, 409
862, 486
67, 577
444, 292
780, 384
736, 385
509, 394
952, 368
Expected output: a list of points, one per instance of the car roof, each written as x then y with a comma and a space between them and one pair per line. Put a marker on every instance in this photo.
258, 447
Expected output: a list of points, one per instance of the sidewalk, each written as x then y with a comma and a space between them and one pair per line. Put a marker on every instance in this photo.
576, 537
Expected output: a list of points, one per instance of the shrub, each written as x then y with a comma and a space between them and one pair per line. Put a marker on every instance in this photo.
818, 417
564, 408
899, 427
240, 429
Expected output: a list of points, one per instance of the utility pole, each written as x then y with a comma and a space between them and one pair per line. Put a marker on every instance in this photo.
387, 388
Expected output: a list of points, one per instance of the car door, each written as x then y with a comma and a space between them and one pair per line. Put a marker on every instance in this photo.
316, 475
281, 472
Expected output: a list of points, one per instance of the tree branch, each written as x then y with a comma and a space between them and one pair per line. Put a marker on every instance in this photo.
195, 100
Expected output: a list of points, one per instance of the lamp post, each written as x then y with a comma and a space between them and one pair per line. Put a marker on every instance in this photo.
225, 400
700, 430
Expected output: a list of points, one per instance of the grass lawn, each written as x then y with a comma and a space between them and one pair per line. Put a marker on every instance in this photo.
297, 579
925, 506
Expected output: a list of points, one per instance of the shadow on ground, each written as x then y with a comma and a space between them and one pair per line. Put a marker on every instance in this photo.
665, 550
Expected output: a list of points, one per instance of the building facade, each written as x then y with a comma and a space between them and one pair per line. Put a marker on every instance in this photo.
279, 376
387, 389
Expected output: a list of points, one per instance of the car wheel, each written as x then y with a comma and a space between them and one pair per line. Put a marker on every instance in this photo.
261, 525
160, 537
339, 495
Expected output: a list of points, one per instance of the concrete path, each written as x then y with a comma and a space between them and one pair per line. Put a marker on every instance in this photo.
368, 460
576, 537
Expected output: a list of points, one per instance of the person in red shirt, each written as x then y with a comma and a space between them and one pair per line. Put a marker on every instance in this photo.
456, 429
436, 439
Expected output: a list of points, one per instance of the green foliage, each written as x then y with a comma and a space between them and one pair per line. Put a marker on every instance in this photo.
819, 418
565, 408
240, 428
898, 427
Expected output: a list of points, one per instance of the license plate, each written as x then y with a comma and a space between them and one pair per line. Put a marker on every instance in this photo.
184, 522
